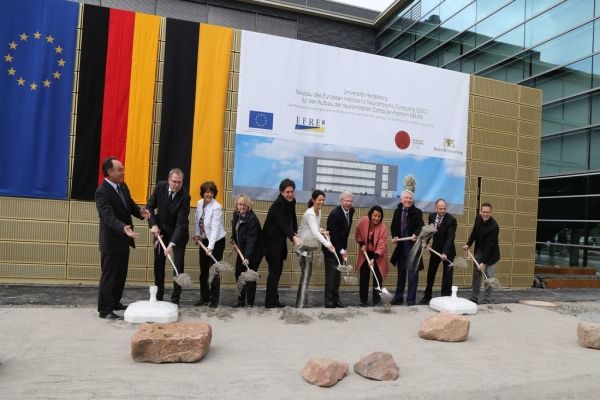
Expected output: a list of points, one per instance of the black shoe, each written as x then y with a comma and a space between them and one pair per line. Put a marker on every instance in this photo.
425, 301
340, 305
397, 302
238, 304
474, 300
410, 304
213, 305
250, 305
361, 304
109, 315
201, 303
175, 302
120, 307
486, 301
330, 306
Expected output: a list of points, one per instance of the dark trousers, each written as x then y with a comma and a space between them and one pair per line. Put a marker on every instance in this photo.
332, 281
275, 262
365, 274
434, 262
112, 280
160, 263
248, 292
209, 292
413, 280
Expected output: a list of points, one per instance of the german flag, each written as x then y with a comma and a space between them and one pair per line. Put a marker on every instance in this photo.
119, 53
195, 78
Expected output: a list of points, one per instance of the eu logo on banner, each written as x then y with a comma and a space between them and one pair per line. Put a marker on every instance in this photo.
261, 120
37, 38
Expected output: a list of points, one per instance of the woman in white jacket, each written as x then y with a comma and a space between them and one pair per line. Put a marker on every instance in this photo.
312, 238
211, 232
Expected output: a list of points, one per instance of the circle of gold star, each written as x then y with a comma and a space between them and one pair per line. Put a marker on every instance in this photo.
25, 39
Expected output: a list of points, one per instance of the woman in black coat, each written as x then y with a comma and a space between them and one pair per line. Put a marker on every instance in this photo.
246, 235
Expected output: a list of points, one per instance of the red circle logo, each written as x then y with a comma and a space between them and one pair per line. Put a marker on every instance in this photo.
402, 140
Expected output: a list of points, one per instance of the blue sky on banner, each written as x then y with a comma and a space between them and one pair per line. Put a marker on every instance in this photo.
37, 49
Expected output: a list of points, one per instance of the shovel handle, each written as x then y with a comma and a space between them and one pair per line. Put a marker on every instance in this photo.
326, 235
162, 244
206, 251
241, 256
402, 239
372, 270
477, 262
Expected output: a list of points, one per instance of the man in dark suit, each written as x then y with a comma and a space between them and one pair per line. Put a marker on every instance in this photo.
281, 224
171, 220
407, 221
339, 222
115, 208
485, 236
443, 243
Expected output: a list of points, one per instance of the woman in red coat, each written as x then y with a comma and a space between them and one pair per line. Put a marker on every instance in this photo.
372, 236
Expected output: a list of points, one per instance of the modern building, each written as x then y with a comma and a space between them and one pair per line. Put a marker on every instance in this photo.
551, 45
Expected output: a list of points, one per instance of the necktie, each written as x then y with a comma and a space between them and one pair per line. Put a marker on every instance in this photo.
347, 217
404, 223
171, 196
438, 221
121, 195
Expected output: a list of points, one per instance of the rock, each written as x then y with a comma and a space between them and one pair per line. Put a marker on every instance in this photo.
589, 335
174, 342
379, 366
445, 327
324, 372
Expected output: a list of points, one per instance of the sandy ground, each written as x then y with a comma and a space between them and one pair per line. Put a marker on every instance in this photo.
513, 351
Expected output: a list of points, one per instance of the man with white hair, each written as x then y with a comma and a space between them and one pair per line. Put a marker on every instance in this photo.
339, 222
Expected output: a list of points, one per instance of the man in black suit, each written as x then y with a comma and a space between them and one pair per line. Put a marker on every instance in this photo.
339, 222
281, 224
407, 221
484, 235
115, 208
443, 243
171, 220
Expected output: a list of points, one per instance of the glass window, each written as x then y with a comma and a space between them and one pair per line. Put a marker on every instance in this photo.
560, 186
458, 23
565, 115
449, 8
565, 81
425, 46
596, 35
458, 46
560, 18
427, 5
566, 153
567, 208
595, 108
500, 49
499, 22
512, 72
534, 7
596, 71
597, 8
570, 46
595, 156
486, 7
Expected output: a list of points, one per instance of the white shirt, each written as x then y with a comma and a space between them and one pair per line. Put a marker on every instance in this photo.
309, 226
213, 221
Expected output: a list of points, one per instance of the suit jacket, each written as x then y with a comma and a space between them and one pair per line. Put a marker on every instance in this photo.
339, 229
248, 236
415, 223
281, 223
172, 217
443, 239
485, 236
114, 215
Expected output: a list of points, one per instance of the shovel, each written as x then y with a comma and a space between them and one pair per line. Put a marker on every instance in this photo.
493, 282
183, 279
386, 296
458, 262
249, 275
416, 252
217, 267
343, 267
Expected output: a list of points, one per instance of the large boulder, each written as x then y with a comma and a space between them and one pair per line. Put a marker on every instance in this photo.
170, 343
445, 327
324, 372
379, 366
588, 335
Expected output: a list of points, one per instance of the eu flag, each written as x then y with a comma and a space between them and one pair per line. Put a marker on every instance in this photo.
37, 42
261, 120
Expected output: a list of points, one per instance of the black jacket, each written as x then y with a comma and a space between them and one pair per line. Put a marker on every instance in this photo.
339, 229
281, 223
248, 236
114, 215
485, 236
172, 217
415, 223
443, 239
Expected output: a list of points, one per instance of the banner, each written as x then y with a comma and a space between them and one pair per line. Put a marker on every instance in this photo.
36, 84
335, 119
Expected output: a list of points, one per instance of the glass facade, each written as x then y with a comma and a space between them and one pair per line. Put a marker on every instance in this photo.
551, 45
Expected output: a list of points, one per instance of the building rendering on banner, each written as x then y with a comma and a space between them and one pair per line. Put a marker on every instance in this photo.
361, 178
549, 45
